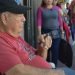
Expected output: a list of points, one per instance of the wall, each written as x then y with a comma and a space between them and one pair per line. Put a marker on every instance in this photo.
30, 29
36, 4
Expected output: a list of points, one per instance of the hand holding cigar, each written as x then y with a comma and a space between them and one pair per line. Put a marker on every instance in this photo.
46, 41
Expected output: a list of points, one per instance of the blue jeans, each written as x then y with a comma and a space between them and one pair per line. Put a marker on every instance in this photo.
55, 50
73, 31
56, 35
69, 71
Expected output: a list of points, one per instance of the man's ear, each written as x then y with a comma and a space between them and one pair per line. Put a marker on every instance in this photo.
4, 18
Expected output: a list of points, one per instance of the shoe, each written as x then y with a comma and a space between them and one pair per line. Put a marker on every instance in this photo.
53, 65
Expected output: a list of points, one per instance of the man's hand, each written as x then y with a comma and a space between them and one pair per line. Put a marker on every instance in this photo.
43, 46
48, 41
45, 41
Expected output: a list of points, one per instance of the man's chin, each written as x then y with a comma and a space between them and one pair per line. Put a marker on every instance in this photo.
20, 31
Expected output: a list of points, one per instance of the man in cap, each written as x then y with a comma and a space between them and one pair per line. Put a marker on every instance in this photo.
16, 56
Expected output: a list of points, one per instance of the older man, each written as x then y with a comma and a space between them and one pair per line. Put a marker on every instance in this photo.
16, 56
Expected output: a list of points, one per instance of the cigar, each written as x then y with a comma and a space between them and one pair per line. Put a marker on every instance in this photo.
46, 36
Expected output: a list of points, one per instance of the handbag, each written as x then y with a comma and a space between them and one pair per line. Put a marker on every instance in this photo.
65, 53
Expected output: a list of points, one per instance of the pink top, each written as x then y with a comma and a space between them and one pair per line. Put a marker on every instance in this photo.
15, 51
39, 16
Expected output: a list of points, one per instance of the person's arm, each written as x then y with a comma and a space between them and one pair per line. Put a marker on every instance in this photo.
60, 18
44, 46
40, 38
42, 51
21, 69
39, 23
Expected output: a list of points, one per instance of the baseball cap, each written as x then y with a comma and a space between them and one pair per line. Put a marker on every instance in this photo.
13, 6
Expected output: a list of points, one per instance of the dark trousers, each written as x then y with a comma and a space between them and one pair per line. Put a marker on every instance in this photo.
54, 51
72, 35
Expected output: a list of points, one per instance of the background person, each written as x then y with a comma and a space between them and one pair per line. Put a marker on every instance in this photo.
71, 14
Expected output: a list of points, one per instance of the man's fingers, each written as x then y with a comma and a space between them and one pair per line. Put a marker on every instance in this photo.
48, 41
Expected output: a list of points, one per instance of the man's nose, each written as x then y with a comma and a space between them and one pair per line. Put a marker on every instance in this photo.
23, 18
